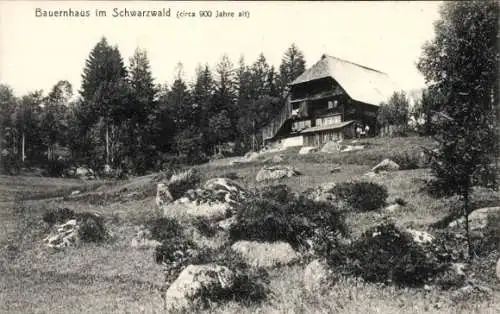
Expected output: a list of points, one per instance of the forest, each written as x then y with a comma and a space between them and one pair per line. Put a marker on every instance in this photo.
121, 118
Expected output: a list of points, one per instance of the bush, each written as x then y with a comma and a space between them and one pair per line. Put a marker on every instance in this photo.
58, 216
91, 227
232, 176
362, 196
205, 226
275, 214
406, 160
181, 182
490, 242
164, 229
55, 168
387, 255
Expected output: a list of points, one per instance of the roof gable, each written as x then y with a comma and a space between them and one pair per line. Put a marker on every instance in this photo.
359, 82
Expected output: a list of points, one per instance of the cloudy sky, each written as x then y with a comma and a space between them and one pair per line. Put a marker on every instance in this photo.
36, 52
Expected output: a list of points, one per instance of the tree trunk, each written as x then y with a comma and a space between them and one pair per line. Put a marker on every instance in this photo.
23, 147
107, 144
466, 216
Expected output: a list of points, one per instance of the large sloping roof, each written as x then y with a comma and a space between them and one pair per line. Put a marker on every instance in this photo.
359, 82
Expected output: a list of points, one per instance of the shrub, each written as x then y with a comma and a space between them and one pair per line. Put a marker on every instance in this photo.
385, 254
205, 226
164, 229
406, 160
91, 227
181, 182
275, 214
362, 196
58, 216
55, 168
232, 176
490, 241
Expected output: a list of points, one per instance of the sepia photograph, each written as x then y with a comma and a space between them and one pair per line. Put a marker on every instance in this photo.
249, 157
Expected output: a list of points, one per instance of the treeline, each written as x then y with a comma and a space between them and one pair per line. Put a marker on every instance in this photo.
122, 118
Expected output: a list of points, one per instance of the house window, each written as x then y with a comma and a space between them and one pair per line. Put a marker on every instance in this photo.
333, 104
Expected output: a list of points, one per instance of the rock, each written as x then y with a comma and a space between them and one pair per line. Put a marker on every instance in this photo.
215, 199
370, 174
247, 158
84, 173
227, 224
331, 147
335, 170
386, 165
321, 193
163, 196
351, 148
392, 208
478, 219
276, 172
471, 291
498, 269
197, 283
142, 239
277, 159
66, 234
421, 237
107, 169
307, 149
265, 254
317, 276
226, 189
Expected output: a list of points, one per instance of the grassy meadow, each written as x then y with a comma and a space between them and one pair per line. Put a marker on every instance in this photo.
113, 277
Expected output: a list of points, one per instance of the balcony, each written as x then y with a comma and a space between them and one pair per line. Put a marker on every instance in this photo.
317, 95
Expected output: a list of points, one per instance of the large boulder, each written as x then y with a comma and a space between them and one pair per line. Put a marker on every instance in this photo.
197, 284
276, 172
215, 199
478, 219
386, 165
265, 254
317, 276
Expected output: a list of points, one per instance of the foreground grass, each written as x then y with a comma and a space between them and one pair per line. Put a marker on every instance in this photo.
114, 278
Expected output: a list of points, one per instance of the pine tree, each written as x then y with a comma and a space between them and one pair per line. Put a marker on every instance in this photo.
223, 112
143, 124
292, 65
105, 95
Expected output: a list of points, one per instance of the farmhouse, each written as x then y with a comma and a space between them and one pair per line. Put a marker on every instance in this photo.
329, 102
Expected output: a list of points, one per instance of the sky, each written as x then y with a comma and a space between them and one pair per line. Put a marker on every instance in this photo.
37, 52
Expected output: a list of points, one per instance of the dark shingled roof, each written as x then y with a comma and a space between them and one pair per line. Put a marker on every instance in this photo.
359, 82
